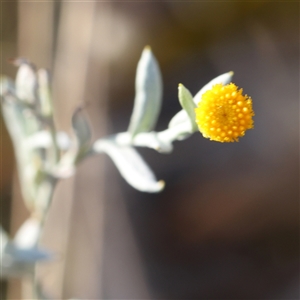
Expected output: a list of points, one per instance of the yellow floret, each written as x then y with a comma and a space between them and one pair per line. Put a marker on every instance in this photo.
224, 113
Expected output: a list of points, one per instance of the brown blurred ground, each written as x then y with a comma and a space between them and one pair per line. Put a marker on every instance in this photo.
227, 224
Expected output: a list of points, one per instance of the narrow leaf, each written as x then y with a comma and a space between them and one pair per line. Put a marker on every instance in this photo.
44, 92
81, 128
28, 234
187, 103
26, 81
131, 166
148, 97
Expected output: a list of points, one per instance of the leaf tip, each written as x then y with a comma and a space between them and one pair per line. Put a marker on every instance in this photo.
147, 48
161, 184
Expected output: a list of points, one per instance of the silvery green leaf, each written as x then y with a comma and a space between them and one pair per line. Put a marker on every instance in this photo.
17, 262
187, 103
18, 130
7, 86
224, 79
28, 234
19, 120
148, 97
27, 255
26, 81
18, 258
131, 166
44, 92
14, 269
81, 128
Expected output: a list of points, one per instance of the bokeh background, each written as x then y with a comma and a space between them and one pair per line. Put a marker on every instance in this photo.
227, 224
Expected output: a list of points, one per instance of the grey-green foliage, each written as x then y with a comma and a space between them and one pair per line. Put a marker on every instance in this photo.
21, 109
18, 256
187, 103
45, 155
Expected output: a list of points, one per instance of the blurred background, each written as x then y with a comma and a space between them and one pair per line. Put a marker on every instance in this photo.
227, 224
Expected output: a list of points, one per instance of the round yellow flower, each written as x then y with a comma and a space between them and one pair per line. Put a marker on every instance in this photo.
224, 113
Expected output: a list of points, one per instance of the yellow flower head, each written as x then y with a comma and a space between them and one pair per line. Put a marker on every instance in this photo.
224, 113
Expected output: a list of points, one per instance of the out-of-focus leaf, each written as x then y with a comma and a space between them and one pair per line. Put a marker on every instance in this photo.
131, 166
21, 262
148, 97
7, 86
28, 234
27, 160
26, 81
44, 92
28, 255
81, 128
18, 257
19, 119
